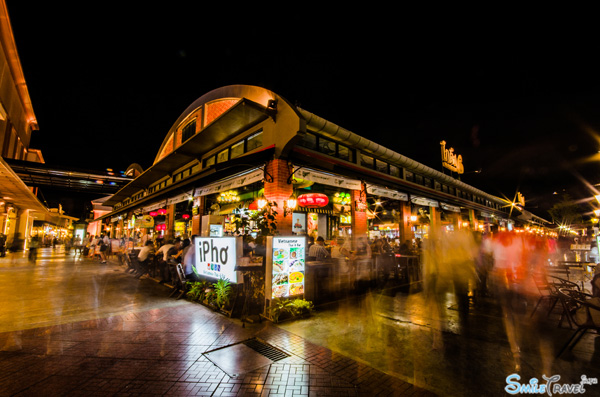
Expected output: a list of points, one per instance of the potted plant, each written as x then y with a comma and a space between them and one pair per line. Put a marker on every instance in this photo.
197, 291
222, 291
289, 308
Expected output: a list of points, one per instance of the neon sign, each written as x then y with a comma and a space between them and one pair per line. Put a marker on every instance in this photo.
450, 160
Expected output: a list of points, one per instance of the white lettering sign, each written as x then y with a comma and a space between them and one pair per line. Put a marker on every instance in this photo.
216, 257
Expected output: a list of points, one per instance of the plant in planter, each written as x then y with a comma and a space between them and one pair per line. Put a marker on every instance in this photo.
301, 307
222, 291
278, 307
289, 308
197, 291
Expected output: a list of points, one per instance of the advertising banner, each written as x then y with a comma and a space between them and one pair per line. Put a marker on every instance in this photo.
216, 257
289, 261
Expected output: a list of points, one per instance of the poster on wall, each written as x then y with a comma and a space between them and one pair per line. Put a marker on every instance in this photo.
216, 257
299, 220
288, 267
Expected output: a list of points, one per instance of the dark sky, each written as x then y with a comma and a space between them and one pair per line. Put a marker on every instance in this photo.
517, 102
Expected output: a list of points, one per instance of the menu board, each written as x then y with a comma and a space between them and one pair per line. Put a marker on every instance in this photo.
288, 266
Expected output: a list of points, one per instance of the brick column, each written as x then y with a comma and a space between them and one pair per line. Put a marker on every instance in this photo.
360, 227
405, 227
197, 219
278, 191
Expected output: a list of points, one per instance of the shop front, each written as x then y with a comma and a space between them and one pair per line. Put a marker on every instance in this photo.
243, 161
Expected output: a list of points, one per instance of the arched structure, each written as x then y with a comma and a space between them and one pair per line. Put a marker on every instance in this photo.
243, 141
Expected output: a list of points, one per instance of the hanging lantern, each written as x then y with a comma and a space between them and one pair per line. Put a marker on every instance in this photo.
313, 200
153, 213
162, 211
185, 216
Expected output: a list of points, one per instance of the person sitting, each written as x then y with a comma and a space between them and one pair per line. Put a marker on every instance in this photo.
162, 256
145, 257
318, 250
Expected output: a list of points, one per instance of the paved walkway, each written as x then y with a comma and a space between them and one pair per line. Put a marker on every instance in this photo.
73, 327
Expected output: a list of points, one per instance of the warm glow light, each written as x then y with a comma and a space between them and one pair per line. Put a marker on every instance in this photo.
413, 218
185, 216
292, 202
162, 211
261, 202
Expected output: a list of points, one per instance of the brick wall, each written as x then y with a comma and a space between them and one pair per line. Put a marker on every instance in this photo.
279, 191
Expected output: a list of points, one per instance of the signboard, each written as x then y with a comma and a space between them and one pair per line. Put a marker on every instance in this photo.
216, 257
449, 207
144, 221
450, 160
327, 179
424, 201
289, 261
385, 192
232, 183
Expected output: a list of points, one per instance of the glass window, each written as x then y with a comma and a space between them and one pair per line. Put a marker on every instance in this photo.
223, 156
444, 188
237, 149
451, 190
309, 141
188, 131
254, 141
410, 176
394, 171
381, 166
427, 182
344, 153
209, 161
437, 186
419, 179
366, 161
326, 146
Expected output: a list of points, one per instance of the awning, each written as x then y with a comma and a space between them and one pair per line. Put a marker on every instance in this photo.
387, 193
230, 123
327, 179
424, 201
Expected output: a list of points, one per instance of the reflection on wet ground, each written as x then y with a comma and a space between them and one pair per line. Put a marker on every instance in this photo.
77, 327
454, 354
73, 326
62, 288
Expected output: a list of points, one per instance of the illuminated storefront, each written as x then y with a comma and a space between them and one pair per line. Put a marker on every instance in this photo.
238, 145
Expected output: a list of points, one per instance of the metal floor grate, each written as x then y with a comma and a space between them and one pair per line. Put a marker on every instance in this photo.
268, 351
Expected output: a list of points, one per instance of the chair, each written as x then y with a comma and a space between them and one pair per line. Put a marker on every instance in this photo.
181, 282
583, 312
562, 283
548, 293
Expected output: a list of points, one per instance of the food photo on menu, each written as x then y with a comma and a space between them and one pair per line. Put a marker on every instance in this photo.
288, 272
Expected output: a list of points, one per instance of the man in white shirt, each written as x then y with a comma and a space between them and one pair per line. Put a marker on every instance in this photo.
163, 255
143, 258
318, 250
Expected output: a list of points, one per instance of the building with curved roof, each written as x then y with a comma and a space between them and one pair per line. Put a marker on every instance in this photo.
238, 143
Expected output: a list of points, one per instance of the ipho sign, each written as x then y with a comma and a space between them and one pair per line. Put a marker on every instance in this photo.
216, 257
450, 160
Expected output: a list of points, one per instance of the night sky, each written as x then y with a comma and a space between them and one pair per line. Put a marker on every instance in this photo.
520, 104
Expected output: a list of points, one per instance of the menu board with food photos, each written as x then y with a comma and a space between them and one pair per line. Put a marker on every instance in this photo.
288, 266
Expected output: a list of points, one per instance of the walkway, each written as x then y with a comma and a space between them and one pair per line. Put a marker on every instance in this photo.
77, 327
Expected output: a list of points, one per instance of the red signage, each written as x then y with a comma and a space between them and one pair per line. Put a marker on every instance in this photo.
313, 200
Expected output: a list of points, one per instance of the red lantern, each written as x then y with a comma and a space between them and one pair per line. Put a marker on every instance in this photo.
162, 211
153, 213
313, 200
185, 216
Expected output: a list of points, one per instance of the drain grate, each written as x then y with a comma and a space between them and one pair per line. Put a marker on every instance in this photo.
268, 351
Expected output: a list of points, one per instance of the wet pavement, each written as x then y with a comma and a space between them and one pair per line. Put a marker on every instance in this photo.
72, 326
